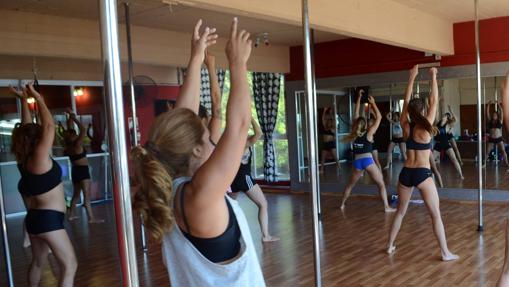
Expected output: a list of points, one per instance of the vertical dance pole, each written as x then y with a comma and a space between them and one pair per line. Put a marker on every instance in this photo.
5, 238
313, 160
479, 103
133, 102
313, 93
118, 146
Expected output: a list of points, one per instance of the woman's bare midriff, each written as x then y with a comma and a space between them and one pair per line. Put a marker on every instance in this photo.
417, 159
53, 199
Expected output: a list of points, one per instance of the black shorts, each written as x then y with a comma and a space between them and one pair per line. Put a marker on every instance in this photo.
411, 177
441, 146
79, 173
40, 221
329, 145
495, 140
397, 140
242, 182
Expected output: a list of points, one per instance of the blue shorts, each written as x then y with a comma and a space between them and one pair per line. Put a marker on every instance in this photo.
363, 163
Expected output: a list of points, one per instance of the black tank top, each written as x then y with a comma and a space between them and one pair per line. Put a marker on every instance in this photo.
442, 133
35, 184
362, 145
218, 249
245, 162
497, 125
413, 145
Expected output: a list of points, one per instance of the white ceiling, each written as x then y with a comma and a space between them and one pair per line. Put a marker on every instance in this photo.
459, 10
156, 14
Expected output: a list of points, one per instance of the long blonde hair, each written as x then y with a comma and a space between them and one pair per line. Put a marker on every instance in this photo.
359, 127
166, 155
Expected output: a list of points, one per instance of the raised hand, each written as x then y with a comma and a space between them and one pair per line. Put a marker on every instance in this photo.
433, 72
19, 93
371, 100
414, 71
30, 90
200, 42
238, 48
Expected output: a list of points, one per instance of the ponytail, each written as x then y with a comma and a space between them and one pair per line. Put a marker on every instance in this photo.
358, 129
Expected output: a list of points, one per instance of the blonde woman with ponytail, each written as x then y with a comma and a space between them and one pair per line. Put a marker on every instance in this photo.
416, 171
205, 237
362, 138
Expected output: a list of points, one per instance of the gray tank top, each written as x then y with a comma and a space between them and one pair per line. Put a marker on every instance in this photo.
188, 267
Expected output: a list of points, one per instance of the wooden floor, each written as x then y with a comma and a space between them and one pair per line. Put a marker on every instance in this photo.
353, 247
496, 177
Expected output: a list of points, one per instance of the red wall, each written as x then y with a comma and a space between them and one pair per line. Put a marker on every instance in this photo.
355, 56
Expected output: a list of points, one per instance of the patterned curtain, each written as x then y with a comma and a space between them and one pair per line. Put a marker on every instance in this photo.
266, 95
205, 99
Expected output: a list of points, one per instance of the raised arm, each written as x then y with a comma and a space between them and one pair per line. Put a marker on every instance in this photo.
251, 140
215, 94
378, 117
358, 104
500, 112
488, 110
453, 115
408, 95
505, 100
82, 128
213, 178
433, 98
324, 118
89, 132
26, 116
40, 160
189, 96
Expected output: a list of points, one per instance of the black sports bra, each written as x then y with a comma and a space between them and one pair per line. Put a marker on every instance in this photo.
497, 125
413, 145
218, 249
35, 184
75, 157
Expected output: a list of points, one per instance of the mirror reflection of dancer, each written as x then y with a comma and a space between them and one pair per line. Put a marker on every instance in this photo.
329, 137
362, 138
205, 237
495, 123
416, 172
73, 148
444, 126
397, 137
451, 118
41, 183
503, 281
371, 122
243, 182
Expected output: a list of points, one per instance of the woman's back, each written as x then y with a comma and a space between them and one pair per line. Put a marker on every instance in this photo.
418, 157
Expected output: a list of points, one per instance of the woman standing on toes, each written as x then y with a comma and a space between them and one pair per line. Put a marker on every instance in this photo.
41, 183
329, 137
245, 183
444, 126
416, 172
80, 174
397, 138
495, 123
362, 137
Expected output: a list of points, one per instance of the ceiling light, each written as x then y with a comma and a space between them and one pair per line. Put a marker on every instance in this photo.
30, 100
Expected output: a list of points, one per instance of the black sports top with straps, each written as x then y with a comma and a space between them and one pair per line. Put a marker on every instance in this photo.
218, 249
35, 184
413, 145
497, 125
362, 145
442, 133
75, 157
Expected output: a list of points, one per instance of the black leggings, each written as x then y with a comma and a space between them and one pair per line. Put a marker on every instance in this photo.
411, 177
44, 220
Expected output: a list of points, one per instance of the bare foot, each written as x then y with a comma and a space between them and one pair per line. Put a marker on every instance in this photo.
342, 207
96, 221
386, 167
390, 209
26, 242
71, 218
449, 257
462, 178
391, 249
270, 239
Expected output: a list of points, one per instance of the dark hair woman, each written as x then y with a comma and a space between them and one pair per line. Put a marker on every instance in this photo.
416, 172
329, 138
41, 184
495, 124
397, 138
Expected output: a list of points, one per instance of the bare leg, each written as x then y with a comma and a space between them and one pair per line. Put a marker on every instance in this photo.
334, 154
256, 195
378, 178
452, 157
75, 196
501, 149
85, 185
430, 196
489, 147
376, 159
436, 154
456, 150
356, 174
503, 281
402, 148
63, 250
389, 155
40, 252
434, 169
405, 194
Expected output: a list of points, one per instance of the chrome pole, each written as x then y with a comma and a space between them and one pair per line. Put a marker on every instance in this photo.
313, 160
336, 126
5, 238
117, 142
133, 104
315, 108
390, 111
479, 113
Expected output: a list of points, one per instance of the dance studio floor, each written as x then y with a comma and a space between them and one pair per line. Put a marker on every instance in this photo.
353, 246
